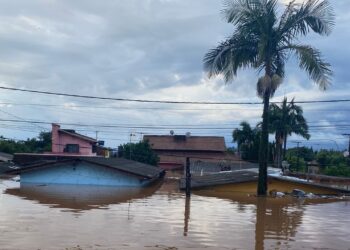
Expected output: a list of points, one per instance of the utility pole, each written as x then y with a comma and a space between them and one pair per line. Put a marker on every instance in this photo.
131, 134
298, 153
349, 144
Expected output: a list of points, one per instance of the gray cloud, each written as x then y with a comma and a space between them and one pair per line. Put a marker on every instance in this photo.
142, 49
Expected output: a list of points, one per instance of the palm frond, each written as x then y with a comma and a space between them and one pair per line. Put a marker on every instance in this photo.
297, 19
287, 118
232, 54
238, 11
311, 61
278, 64
251, 16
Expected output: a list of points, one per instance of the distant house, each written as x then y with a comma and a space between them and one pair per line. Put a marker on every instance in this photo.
84, 170
173, 149
313, 167
67, 141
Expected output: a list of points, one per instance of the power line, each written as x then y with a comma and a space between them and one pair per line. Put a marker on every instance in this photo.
180, 127
21, 119
72, 107
159, 101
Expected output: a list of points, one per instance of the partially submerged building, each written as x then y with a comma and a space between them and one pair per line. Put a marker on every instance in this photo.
84, 170
174, 149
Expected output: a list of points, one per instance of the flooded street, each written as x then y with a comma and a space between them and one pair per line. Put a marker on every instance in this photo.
160, 217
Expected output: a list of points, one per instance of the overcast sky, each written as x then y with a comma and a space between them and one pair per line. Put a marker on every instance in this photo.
150, 49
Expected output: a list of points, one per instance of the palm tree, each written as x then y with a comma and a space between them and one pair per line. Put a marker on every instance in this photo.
245, 135
285, 120
247, 140
263, 40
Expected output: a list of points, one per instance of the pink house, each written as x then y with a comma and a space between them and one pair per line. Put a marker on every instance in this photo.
67, 141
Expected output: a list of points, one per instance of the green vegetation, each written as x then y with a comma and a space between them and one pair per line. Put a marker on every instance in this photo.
330, 162
333, 163
33, 145
248, 142
304, 154
286, 120
264, 40
141, 152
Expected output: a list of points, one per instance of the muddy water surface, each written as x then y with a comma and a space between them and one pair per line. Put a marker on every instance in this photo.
160, 217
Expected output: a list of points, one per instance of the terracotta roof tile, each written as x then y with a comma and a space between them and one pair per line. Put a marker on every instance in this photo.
182, 142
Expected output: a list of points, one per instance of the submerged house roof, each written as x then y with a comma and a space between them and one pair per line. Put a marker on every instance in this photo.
28, 162
186, 143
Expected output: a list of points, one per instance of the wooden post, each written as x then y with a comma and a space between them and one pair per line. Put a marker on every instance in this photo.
188, 177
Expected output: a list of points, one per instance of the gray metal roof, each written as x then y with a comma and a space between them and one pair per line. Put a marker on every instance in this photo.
125, 165
25, 162
5, 157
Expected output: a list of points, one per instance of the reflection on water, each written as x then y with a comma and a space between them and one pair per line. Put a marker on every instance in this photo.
80, 197
187, 214
277, 221
161, 217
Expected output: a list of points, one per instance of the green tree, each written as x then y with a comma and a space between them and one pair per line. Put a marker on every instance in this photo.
333, 163
247, 140
263, 40
245, 135
141, 152
32, 145
284, 121
44, 143
303, 153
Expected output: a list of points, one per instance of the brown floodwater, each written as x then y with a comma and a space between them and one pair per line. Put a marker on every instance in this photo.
161, 217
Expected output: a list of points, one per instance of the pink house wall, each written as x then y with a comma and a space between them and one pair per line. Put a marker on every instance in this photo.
60, 140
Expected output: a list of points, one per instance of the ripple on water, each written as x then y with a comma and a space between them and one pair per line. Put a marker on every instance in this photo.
161, 217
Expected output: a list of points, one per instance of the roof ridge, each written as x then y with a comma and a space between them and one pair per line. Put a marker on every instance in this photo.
77, 135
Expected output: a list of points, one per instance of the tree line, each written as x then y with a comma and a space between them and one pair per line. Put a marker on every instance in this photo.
329, 162
40, 144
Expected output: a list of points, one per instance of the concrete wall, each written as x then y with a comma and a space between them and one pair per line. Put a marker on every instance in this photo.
82, 173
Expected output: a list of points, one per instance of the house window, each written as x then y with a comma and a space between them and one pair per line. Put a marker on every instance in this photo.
72, 148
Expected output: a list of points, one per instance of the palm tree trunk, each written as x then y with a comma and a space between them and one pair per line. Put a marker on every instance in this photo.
280, 154
277, 151
285, 147
263, 150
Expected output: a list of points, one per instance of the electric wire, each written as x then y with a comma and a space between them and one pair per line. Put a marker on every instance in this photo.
159, 101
